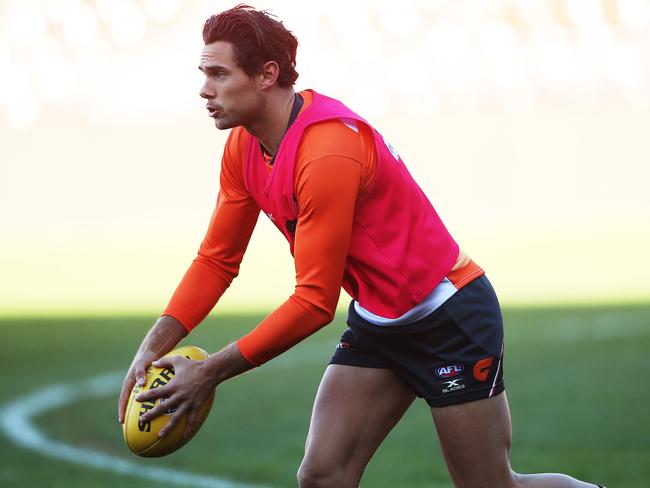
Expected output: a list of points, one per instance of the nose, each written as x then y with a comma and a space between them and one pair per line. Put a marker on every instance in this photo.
206, 91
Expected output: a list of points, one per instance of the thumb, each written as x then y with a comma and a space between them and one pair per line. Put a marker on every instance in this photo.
140, 375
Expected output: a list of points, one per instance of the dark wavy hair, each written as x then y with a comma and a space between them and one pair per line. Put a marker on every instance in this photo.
256, 38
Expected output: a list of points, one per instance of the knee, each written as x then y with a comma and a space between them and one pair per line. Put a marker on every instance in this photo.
311, 475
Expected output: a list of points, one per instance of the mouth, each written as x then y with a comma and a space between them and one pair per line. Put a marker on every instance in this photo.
213, 111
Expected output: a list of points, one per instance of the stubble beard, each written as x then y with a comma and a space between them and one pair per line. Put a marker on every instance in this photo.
245, 118
226, 122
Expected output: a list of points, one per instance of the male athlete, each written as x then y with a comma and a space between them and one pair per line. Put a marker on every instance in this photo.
424, 320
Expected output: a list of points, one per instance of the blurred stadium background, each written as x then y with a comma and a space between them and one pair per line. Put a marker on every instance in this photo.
525, 121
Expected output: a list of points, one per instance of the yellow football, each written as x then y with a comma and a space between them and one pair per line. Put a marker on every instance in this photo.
142, 438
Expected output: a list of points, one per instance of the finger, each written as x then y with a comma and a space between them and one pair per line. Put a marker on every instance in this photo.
127, 386
159, 409
155, 393
192, 418
173, 420
166, 362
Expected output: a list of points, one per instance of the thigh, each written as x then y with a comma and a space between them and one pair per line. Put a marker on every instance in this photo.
354, 410
475, 438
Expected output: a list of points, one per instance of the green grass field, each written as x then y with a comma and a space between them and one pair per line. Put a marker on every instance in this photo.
577, 381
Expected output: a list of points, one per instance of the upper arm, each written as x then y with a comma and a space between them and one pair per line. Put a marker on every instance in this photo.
235, 213
327, 187
221, 251
327, 190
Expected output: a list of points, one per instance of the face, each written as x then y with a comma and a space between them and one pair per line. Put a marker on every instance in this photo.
233, 98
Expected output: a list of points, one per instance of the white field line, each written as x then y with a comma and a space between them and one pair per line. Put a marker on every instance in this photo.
16, 422
16, 417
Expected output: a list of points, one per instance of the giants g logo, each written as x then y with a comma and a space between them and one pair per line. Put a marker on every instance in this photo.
482, 368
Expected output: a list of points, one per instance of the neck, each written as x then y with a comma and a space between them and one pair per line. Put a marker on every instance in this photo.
269, 126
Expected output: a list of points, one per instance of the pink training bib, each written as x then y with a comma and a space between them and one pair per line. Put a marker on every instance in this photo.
399, 249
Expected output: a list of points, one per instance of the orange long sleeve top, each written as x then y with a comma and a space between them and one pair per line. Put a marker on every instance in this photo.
334, 168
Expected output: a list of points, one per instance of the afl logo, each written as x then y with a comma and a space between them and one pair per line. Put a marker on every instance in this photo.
449, 371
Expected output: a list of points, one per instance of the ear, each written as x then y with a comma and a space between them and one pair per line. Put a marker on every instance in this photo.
269, 74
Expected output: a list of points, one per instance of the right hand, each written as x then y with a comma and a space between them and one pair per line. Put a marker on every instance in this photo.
162, 338
137, 372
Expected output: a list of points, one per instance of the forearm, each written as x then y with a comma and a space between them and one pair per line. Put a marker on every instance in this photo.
197, 293
282, 329
165, 334
217, 263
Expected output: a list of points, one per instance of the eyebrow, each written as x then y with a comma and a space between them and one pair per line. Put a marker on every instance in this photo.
212, 68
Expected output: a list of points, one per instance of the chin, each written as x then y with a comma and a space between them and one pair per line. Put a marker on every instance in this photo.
223, 124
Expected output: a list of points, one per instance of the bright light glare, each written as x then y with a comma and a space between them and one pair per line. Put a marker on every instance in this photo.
23, 111
462, 50
343, 23
398, 18
112, 10
28, 25
138, 97
501, 49
13, 79
60, 10
161, 9
370, 101
557, 62
56, 76
58, 83
420, 73
415, 95
624, 66
533, 10
5, 54
452, 55
21, 104
326, 70
430, 4
130, 28
80, 26
518, 100
586, 14
363, 44
635, 14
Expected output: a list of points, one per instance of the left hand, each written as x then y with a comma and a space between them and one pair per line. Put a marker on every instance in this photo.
186, 392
